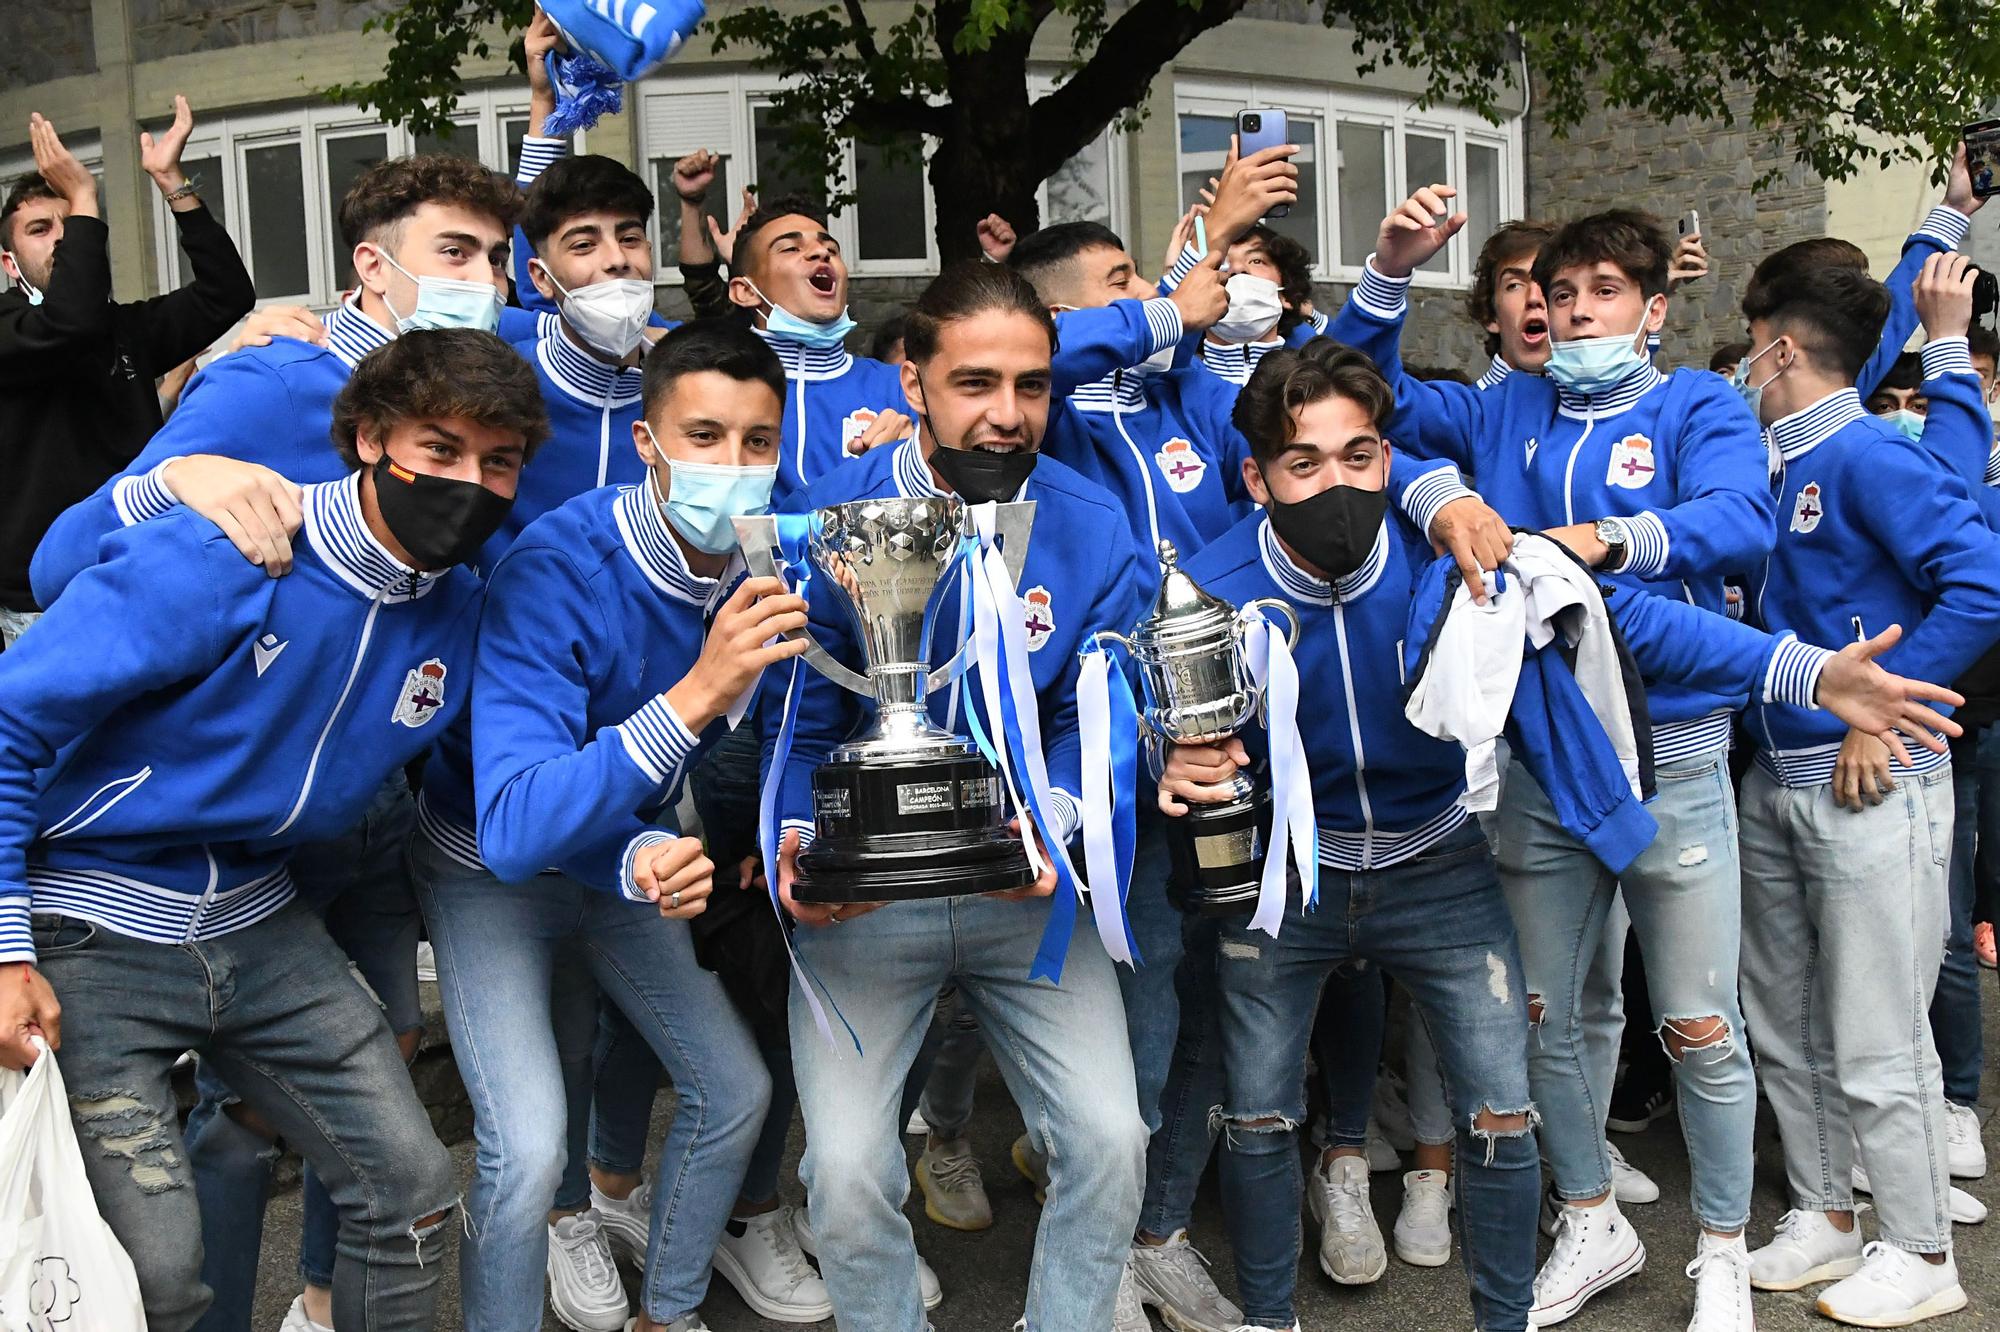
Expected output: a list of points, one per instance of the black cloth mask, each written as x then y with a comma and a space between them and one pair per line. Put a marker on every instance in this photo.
1334, 530
978, 475
439, 520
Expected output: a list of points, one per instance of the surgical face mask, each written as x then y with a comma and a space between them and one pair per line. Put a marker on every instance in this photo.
440, 520
1908, 424
34, 292
1159, 362
704, 499
1254, 308
446, 302
1591, 365
979, 475
782, 323
1753, 394
1334, 530
610, 316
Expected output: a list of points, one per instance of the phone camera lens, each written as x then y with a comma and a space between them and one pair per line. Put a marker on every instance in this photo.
1253, 123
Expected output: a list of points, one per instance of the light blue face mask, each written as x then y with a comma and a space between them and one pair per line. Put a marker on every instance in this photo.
34, 292
447, 303
1753, 394
703, 499
1591, 365
784, 324
1908, 424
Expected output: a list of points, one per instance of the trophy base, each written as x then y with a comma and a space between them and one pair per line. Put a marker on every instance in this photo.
912, 829
1218, 855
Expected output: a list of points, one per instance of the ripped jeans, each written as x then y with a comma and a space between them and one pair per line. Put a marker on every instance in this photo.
274, 1007
1439, 924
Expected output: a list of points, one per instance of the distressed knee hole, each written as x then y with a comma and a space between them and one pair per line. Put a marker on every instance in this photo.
1685, 1036
1490, 1125
125, 1129
425, 1228
1230, 1125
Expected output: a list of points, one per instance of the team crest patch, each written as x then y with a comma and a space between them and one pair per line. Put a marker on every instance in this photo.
1807, 510
1631, 463
856, 424
1180, 465
1041, 619
422, 696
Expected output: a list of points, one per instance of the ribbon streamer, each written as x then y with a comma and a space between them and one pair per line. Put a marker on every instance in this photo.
1277, 675
1108, 726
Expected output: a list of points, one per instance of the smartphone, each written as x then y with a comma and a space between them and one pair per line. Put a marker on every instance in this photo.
1266, 127
1691, 223
1982, 157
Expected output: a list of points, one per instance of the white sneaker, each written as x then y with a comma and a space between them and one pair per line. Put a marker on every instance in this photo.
296, 1320
1629, 1184
584, 1289
1381, 1153
1173, 1278
1721, 1272
1423, 1226
928, 1284
769, 1271
1894, 1288
1806, 1249
427, 967
1350, 1243
1596, 1248
1963, 1149
1964, 1209
915, 1125
627, 1221
1129, 1314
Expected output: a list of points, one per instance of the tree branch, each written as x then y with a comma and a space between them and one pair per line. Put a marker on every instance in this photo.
864, 36
883, 117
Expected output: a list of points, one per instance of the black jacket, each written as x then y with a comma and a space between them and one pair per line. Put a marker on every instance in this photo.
77, 401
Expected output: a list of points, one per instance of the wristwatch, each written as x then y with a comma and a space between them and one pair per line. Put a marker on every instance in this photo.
1612, 533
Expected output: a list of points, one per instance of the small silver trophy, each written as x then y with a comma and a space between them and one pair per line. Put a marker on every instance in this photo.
1190, 650
905, 809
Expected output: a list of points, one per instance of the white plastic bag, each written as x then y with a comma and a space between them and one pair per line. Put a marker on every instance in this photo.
61, 1268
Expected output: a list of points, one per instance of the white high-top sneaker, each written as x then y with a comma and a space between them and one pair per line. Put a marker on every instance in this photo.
1596, 1248
1721, 1272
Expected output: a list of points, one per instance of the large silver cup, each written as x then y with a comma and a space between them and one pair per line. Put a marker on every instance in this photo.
905, 809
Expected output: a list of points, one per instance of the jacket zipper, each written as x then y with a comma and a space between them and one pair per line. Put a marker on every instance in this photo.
1354, 730
207, 896
1145, 474
353, 672
604, 440
1569, 472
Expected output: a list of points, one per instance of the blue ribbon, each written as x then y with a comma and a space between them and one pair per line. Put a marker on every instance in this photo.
1124, 785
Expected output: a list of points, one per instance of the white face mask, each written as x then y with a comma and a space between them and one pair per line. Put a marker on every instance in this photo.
34, 292
610, 316
1254, 309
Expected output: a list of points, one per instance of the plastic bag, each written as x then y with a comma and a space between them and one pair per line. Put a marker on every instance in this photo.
61, 1268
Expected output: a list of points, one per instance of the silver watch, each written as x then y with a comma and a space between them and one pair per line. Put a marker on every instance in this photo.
1612, 533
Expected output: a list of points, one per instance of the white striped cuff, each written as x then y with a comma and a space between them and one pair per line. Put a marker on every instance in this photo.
803, 827
17, 936
1431, 492
657, 740
1645, 544
1383, 297
1163, 321
1185, 264
1948, 356
1064, 811
1793, 676
137, 498
1993, 468
651, 837
1319, 322
1947, 226
538, 154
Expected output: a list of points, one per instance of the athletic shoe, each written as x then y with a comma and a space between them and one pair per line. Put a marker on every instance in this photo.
1721, 1272
1129, 1314
1350, 1243
691, 1323
1173, 1278
1983, 947
760, 1256
627, 1221
1596, 1248
928, 1285
583, 1279
1635, 1105
1629, 1184
916, 1125
1033, 1165
1894, 1288
1963, 1149
1965, 1210
954, 1194
427, 966
1423, 1226
296, 1320
1381, 1153
1806, 1250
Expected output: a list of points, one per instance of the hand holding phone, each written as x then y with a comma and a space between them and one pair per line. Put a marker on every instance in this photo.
1982, 157
1258, 128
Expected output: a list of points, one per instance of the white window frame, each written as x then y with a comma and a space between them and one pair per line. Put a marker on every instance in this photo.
1117, 153
1328, 107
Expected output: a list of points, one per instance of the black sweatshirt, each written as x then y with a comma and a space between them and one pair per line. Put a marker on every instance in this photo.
77, 401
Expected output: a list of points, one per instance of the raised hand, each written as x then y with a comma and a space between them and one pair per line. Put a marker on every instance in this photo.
1419, 227
1942, 294
996, 237
161, 157
69, 178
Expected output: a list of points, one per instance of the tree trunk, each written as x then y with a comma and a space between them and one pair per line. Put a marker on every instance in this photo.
985, 160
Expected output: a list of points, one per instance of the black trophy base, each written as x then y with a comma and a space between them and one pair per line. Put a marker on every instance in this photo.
1218, 855
918, 828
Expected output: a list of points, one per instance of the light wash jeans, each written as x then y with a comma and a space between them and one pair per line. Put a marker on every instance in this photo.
1843, 929
1063, 1052
13, 624
496, 945
1685, 903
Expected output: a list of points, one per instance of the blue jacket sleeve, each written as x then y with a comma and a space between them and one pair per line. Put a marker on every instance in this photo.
1933, 532
1723, 517
1091, 344
1958, 430
1942, 232
1675, 642
1210, 404
536, 764
1123, 601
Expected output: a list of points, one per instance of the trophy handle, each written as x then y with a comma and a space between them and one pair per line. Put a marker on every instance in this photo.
1261, 604
1012, 522
757, 534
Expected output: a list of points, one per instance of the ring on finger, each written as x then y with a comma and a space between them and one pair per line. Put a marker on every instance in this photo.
674, 901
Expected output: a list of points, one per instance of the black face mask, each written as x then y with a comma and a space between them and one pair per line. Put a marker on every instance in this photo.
979, 476
1334, 530
439, 520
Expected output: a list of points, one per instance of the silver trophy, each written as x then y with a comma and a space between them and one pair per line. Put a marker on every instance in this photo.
1190, 650
905, 809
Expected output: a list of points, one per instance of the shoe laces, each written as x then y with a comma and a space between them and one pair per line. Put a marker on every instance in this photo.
956, 1172
1346, 1201
1618, 1161
584, 1244
1568, 1249
790, 1260
1186, 1262
1960, 1126
1883, 1264
1720, 1272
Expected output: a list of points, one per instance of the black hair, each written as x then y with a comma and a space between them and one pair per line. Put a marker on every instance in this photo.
1431, 374
1044, 257
1725, 358
435, 375
1780, 268
725, 346
789, 205
888, 337
1632, 240
1906, 372
1834, 314
967, 288
30, 186
590, 183
1294, 264
1288, 379
1983, 341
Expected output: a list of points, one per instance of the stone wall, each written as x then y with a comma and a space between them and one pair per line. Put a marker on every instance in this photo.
163, 28
55, 45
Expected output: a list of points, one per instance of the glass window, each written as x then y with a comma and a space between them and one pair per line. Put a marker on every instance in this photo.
1204, 148
1302, 222
274, 201
1426, 161
516, 129
1482, 194
668, 207
206, 173
1364, 188
775, 174
458, 140
1080, 190
346, 158
889, 189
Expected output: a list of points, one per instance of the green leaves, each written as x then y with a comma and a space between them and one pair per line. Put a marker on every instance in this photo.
420, 81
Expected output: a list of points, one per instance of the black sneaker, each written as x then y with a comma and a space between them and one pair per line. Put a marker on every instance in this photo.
1634, 1107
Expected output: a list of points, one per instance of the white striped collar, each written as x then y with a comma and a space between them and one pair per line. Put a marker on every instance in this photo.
1300, 585
1804, 430
1497, 370
584, 377
803, 362
1236, 361
914, 478
651, 544
1619, 397
339, 534
351, 335
1119, 391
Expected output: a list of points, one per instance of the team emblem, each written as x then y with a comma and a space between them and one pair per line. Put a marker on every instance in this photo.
1631, 463
1807, 510
856, 423
422, 696
1041, 619
1180, 465
1533, 444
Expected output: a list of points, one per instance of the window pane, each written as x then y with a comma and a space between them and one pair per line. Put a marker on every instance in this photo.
206, 173
775, 176
668, 207
1426, 161
459, 140
1080, 191
516, 129
345, 158
889, 189
1302, 222
274, 195
1204, 148
1482, 194
1364, 189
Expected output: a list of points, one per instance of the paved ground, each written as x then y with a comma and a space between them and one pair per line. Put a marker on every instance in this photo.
984, 1275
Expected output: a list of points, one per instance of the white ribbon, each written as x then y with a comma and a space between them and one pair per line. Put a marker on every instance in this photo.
1277, 675
1100, 854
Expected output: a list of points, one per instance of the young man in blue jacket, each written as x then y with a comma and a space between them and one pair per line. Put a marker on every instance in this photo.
1845, 852
175, 728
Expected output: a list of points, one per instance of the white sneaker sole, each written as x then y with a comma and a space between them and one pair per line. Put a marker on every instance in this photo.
1365, 1279
1837, 1270
1177, 1320
1968, 1172
609, 1320
1569, 1308
1417, 1257
729, 1269
1944, 1302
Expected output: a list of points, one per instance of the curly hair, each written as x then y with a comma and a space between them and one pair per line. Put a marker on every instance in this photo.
440, 374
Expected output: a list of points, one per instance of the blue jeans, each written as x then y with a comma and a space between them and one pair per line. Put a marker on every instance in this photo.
275, 1009
1685, 901
1063, 1052
496, 945
1440, 924
1986, 864
1843, 926
948, 1091
359, 885
1347, 1046
1955, 1024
